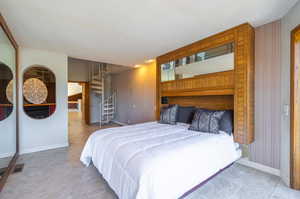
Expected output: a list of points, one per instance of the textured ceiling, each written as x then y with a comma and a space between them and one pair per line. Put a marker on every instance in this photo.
129, 32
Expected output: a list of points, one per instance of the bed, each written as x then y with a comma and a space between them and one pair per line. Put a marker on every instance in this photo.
157, 161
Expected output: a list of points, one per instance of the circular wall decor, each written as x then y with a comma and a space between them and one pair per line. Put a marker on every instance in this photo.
35, 91
9, 91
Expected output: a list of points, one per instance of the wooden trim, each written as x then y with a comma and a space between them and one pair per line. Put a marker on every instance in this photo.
294, 119
12, 163
4, 26
240, 83
225, 91
212, 102
46, 104
9, 170
86, 102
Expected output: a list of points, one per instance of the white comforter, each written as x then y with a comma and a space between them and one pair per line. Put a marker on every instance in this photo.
157, 161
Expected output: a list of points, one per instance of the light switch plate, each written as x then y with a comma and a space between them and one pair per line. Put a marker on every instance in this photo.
286, 110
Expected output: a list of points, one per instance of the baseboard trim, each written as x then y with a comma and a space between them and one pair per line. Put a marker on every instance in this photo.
285, 179
43, 148
248, 163
120, 123
5, 155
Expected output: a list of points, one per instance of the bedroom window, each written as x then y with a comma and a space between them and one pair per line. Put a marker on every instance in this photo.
6, 91
213, 60
39, 92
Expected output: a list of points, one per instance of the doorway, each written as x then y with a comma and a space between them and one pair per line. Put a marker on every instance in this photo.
295, 108
78, 102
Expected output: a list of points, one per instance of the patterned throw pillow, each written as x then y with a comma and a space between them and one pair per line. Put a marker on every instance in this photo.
206, 121
168, 115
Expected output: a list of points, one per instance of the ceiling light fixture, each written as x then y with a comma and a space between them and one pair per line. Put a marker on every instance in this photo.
149, 61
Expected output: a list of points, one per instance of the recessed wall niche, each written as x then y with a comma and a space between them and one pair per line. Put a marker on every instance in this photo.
39, 92
6, 91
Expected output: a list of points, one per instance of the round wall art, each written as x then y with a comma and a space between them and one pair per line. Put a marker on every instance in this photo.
35, 91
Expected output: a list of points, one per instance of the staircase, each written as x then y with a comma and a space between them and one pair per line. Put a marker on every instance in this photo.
107, 104
108, 107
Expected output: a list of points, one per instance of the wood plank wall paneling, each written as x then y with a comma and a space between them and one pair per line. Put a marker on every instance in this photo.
266, 147
219, 83
217, 102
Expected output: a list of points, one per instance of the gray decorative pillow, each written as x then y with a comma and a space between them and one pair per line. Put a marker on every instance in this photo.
168, 115
226, 122
206, 121
186, 114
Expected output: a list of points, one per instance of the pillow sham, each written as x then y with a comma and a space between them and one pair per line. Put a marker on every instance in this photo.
186, 114
206, 121
168, 115
226, 122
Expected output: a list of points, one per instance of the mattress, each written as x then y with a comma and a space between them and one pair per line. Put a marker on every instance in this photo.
153, 160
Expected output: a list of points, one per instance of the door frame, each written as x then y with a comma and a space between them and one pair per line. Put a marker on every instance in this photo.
85, 100
295, 129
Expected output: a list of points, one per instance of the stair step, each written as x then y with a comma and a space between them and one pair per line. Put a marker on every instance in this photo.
98, 92
96, 87
110, 104
96, 81
96, 84
111, 108
106, 114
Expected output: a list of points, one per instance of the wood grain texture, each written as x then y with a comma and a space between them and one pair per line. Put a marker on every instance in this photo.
207, 84
240, 84
86, 102
295, 110
217, 102
266, 147
244, 85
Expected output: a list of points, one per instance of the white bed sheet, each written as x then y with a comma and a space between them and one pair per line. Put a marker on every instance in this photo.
157, 161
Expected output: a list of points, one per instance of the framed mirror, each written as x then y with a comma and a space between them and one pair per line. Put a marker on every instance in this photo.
8, 102
213, 60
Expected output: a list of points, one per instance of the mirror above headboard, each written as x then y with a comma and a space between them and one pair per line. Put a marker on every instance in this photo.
213, 60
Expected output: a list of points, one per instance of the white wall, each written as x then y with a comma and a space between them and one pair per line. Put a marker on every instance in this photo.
8, 125
288, 23
78, 70
52, 132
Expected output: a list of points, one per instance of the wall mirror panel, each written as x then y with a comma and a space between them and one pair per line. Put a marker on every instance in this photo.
39, 97
8, 102
6, 91
213, 60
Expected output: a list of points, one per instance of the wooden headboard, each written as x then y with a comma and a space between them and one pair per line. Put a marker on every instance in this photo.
216, 102
222, 90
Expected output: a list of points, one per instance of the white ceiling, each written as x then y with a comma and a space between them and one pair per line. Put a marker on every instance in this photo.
128, 32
